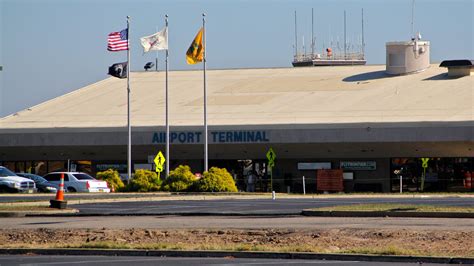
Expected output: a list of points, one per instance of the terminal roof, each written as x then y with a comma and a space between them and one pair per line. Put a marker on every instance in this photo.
278, 96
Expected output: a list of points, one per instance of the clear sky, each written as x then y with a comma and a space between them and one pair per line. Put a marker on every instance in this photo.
51, 47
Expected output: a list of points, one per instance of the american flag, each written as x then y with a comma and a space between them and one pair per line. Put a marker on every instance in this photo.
118, 41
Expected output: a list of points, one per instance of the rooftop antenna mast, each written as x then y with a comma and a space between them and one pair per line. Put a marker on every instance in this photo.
363, 42
304, 48
345, 44
156, 58
296, 38
312, 32
413, 19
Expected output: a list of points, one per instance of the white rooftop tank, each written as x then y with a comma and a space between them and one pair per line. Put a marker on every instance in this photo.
407, 57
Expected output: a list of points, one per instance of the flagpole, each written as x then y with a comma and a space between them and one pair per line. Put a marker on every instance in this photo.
156, 57
205, 92
129, 153
166, 96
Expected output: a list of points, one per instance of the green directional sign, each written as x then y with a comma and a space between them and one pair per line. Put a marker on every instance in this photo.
159, 162
271, 156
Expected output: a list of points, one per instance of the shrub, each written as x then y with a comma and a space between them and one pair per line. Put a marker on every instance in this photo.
180, 179
112, 178
216, 180
144, 181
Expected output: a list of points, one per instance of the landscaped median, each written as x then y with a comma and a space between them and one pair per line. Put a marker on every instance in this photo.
392, 210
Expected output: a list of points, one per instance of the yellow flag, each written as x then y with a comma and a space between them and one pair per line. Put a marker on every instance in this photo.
195, 52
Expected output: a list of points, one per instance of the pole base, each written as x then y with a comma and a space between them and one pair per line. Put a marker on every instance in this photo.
58, 204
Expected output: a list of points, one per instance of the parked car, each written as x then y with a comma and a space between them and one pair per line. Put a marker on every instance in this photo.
41, 184
10, 182
78, 182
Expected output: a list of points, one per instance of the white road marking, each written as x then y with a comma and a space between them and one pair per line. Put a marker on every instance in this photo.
92, 261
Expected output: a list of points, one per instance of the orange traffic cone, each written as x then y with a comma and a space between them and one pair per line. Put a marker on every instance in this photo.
59, 202
60, 192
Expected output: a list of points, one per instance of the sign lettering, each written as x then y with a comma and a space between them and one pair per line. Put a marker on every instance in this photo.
195, 137
358, 165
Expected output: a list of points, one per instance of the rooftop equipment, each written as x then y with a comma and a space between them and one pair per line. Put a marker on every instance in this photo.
148, 66
408, 57
329, 56
458, 68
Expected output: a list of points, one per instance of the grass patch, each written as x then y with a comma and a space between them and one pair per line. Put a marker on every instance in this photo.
99, 244
397, 207
388, 250
190, 246
368, 250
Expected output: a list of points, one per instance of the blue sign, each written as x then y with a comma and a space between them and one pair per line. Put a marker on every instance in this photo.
193, 137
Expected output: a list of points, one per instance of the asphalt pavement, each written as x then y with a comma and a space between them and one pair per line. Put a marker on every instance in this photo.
282, 206
170, 261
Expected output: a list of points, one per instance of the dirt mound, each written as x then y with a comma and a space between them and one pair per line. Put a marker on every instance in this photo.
383, 241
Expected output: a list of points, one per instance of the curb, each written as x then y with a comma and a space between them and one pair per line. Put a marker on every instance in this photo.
235, 254
468, 215
35, 198
66, 212
79, 214
309, 213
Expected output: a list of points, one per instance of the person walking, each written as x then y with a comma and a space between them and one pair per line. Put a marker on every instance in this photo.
251, 182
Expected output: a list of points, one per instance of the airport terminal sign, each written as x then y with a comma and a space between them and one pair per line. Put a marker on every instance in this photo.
195, 137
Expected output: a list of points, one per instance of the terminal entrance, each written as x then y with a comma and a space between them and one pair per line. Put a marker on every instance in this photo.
441, 174
249, 175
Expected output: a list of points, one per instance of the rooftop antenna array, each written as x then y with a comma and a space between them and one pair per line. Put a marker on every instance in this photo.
333, 54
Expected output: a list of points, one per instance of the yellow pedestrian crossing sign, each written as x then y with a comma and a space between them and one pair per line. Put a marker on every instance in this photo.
159, 161
424, 162
271, 156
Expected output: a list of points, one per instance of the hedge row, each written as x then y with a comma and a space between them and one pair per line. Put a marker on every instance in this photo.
180, 179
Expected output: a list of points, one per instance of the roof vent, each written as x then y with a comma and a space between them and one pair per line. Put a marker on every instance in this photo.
458, 68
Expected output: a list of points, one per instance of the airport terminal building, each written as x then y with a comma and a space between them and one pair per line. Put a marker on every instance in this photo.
354, 118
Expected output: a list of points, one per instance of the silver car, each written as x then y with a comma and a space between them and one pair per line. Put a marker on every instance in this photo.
78, 182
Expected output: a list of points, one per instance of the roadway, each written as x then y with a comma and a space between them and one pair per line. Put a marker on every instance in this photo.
170, 261
283, 206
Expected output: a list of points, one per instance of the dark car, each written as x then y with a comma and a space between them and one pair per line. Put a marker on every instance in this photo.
41, 184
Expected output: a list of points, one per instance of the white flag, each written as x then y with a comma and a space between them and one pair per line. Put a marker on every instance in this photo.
157, 41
